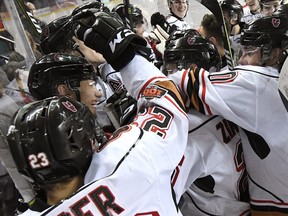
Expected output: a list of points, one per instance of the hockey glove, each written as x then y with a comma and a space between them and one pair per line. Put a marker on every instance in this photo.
106, 34
160, 20
160, 36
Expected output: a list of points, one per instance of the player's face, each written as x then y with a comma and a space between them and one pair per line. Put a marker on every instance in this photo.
140, 29
251, 55
254, 5
270, 7
179, 8
90, 94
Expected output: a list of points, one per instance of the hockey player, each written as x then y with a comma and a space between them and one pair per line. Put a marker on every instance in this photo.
187, 48
64, 74
137, 24
212, 169
145, 152
248, 96
268, 7
233, 13
251, 11
209, 29
57, 37
178, 11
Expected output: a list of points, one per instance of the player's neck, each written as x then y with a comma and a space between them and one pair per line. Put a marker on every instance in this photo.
63, 190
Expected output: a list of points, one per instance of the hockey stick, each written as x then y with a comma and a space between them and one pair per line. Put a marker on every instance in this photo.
283, 83
29, 16
215, 8
128, 12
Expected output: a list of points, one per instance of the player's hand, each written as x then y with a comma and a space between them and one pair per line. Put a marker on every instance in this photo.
106, 34
160, 20
160, 36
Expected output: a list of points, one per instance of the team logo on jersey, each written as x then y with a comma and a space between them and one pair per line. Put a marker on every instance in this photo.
68, 105
276, 22
116, 85
191, 40
153, 92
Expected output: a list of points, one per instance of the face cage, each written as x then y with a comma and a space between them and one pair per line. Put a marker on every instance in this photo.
74, 85
174, 66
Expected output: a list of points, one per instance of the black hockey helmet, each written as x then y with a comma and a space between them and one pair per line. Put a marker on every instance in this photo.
283, 9
51, 140
268, 33
57, 36
170, 2
54, 69
90, 5
271, 30
136, 14
186, 48
233, 8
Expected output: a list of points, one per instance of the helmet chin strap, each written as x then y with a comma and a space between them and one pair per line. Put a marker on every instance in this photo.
265, 54
76, 90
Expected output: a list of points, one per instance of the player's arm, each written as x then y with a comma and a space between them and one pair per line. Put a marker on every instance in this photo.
120, 47
161, 108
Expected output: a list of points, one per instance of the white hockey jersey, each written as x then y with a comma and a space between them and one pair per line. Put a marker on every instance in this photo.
111, 77
248, 16
180, 23
212, 170
249, 97
133, 176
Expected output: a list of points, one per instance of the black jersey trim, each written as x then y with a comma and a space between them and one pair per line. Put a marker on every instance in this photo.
268, 209
249, 71
262, 188
204, 212
205, 122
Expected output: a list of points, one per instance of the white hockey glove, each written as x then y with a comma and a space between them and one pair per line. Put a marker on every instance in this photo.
160, 36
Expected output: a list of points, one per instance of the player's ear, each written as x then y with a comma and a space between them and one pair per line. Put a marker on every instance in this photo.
62, 89
213, 40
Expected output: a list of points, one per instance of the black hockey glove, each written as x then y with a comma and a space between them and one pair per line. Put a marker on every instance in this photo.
106, 34
159, 19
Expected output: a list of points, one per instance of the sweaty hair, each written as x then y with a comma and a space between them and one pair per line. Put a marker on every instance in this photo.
211, 26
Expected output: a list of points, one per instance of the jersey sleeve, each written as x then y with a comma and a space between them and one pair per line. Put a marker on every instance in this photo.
231, 94
161, 110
